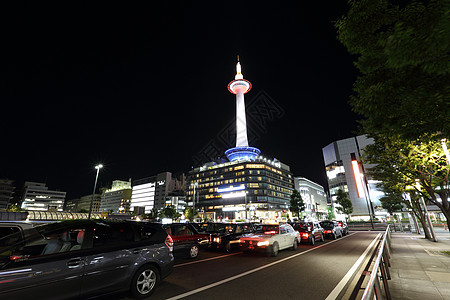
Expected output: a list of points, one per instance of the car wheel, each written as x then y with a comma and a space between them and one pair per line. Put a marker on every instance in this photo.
193, 251
334, 236
312, 240
275, 249
295, 245
227, 247
144, 281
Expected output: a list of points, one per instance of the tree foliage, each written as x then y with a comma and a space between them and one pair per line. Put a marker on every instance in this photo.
14, 208
297, 204
403, 55
152, 215
345, 206
169, 212
190, 213
418, 168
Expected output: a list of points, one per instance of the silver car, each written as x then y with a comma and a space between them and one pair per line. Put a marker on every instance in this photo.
81, 259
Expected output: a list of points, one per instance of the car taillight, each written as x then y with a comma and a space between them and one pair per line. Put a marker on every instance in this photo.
305, 235
169, 242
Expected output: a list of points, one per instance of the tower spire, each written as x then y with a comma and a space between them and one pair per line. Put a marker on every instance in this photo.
238, 70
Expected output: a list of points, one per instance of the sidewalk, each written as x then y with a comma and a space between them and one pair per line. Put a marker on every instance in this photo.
419, 267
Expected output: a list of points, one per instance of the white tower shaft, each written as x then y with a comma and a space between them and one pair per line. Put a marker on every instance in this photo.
241, 121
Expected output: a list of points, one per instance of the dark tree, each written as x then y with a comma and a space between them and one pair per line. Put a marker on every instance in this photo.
345, 206
296, 205
403, 55
170, 212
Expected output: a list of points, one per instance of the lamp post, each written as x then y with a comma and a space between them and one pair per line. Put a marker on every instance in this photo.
246, 209
98, 167
193, 198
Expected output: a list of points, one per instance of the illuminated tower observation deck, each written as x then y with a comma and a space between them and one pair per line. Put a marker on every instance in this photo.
242, 151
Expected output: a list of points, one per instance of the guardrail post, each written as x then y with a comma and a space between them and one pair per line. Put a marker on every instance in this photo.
385, 275
378, 293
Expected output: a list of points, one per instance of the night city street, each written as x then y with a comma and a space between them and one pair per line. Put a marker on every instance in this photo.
225, 150
310, 272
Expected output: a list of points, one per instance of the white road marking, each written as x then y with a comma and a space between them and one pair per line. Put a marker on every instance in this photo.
206, 287
206, 259
337, 290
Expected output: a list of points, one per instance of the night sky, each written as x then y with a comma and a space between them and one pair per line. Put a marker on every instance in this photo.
143, 89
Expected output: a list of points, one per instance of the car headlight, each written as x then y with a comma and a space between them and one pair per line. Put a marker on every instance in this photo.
216, 240
263, 243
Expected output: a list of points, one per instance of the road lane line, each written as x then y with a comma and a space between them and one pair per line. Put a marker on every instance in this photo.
340, 286
206, 287
206, 259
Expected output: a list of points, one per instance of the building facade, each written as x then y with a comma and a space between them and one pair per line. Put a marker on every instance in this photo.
84, 203
314, 197
338, 158
6, 193
241, 189
116, 199
37, 196
71, 205
151, 192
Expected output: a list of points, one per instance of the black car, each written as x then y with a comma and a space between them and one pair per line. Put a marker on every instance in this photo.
331, 229
186, 239
84, 258
225, 236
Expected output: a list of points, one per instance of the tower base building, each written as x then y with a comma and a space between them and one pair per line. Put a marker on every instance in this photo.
248, 189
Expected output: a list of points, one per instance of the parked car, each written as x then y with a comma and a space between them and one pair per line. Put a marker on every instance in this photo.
310, 232
99, 257
331, 229
344, 226
225, 236
186, 239
269, 239
8, 228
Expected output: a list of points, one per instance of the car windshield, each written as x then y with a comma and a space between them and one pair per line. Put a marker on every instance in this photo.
267, 228
220, 228
303, 226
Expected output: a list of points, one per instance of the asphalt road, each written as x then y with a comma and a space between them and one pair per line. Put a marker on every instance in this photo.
310, 272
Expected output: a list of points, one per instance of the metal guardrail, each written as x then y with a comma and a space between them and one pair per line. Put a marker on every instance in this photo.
380, 271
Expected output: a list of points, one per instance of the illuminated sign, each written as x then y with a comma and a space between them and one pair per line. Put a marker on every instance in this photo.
358, 178
233, 208
234, 195
231, 188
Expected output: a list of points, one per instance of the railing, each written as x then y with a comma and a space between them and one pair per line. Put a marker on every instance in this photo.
380, 271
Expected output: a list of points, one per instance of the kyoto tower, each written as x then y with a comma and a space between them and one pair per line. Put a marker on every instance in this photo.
239, 86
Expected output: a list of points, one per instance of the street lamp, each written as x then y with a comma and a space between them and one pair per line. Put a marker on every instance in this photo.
98, 167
